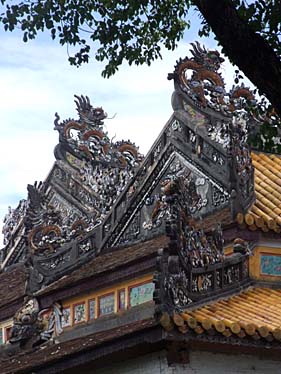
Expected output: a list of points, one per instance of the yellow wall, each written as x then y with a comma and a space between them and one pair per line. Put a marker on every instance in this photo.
85, 297
228, 250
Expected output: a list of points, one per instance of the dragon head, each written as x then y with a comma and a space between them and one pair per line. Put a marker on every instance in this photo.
88, 114
209, 59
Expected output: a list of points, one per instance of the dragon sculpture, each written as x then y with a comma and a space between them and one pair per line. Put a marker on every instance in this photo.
86, 140
205, 85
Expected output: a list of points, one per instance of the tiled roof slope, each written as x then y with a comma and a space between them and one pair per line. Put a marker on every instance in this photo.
12, 285
254, 313
265, 214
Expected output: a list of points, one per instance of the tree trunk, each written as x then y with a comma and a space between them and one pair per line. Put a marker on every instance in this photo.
245, 48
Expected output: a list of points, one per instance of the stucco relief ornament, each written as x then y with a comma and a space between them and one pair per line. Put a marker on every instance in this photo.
241, 155
50, 320
220, 133
183, 266
45, 227
176, 287
25, 322
193, 190
199, 250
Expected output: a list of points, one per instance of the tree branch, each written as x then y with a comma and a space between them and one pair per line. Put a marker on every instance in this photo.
247, 49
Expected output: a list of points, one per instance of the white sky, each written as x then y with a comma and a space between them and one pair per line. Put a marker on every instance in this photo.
37, 81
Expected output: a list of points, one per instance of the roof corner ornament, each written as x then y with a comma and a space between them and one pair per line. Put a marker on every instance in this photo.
193, 265
33, 326
25, 326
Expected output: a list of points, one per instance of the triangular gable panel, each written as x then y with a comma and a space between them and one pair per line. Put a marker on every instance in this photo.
204, 195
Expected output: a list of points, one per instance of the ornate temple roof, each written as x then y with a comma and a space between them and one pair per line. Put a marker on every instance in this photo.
252, 314
106, 215
101, 194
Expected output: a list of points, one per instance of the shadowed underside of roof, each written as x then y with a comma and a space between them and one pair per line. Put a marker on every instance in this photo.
265, 213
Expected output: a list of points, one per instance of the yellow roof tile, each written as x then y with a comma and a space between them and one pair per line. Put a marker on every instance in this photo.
265, 213
254, 313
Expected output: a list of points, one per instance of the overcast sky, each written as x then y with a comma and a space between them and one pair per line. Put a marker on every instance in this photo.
37, 81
